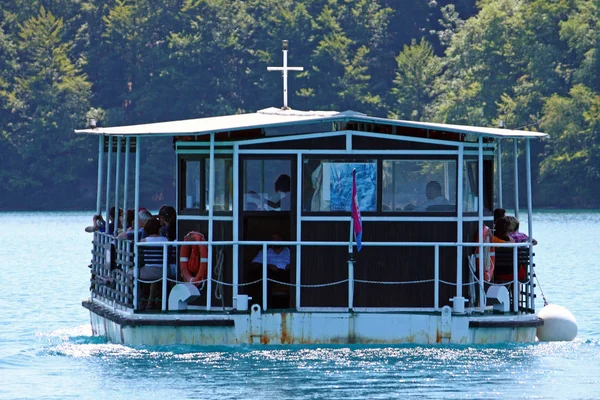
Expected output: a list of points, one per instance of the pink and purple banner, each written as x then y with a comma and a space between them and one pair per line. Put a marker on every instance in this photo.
356, 213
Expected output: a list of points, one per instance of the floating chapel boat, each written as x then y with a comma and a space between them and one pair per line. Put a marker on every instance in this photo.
279, 183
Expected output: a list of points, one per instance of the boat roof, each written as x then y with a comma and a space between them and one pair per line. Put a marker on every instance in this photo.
276, 117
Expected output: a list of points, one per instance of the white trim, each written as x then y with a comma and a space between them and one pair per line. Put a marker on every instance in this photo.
480, 223
211, 199
235, 219
499, 161
385, 219
100, 174
516, 176
205, 218
299, 177
203, 151
117, 180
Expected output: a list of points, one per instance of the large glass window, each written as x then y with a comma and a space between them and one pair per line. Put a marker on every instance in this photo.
267, 185
223, 184
192, 184
470, 187
327, 185
419, 185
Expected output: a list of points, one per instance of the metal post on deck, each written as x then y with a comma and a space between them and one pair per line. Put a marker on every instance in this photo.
126, 183
499, 160
530, 291
351, 266
165, 263
100, 167
515, 279
264, 275
117, 172
211, 197
516, 162
298, 227
459, 300
436, 277
480, 222
236, 222
136, 222
108, 183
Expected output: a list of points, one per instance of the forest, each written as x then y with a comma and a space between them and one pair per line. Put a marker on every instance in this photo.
533, 64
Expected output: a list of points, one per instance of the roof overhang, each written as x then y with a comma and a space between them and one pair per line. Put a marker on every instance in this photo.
274, 117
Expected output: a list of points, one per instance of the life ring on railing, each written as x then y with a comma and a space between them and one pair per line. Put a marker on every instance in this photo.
193, 259
489, 255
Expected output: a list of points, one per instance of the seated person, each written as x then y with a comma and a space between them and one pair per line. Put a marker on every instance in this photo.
168, 220
513, 232
278, 269
100, 225
499, 213
501, 234
143, 217
278, 257
433, 192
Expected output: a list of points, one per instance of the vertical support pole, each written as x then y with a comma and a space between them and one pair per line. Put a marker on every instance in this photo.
100, 167
211, 199
530, 291
137, 189
298, 227
126, 182
136, 222
499, 160
459, 300
108, 183
480, 222
117, 172
264, 277
351, 266
515, 279
436, 277
236, 219
516, 162
165, 263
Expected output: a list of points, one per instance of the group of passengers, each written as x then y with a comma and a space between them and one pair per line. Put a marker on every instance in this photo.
152, 228
506, 229
156, 226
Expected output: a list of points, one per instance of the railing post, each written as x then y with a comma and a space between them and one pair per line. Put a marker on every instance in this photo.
165, 275
436, 277
264, 275
515, 279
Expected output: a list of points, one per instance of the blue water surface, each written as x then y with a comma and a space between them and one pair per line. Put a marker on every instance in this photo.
47, 351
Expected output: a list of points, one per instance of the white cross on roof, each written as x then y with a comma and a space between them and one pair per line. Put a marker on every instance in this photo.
284, 72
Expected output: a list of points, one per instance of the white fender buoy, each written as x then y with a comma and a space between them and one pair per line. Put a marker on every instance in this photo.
559, 324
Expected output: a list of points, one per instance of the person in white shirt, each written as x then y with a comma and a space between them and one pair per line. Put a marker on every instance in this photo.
278, 257
433, 191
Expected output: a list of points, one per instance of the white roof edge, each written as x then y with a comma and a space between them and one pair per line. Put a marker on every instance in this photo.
270, 117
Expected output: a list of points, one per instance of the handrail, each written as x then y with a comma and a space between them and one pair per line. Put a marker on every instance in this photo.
435, 245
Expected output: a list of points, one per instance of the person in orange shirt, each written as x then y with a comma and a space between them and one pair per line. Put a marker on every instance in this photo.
502, 230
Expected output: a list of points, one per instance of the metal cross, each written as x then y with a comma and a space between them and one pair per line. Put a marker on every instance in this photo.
284, 72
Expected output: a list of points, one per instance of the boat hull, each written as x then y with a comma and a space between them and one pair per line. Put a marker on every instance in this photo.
256, 327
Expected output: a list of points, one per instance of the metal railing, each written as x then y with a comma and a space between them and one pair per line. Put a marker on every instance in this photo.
116, 282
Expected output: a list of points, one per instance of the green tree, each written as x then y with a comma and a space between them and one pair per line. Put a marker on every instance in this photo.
48, 100
572, 167
418, 67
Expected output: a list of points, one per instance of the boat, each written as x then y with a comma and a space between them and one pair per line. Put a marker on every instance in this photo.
402, 267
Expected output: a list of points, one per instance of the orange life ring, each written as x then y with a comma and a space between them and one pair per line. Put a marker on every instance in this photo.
489, 255
193, 259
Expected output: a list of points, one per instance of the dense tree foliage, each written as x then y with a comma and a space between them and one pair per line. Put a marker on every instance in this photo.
530, 63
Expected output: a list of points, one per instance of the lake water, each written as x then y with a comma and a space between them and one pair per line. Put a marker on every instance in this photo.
47, 351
